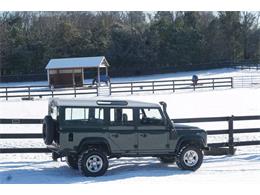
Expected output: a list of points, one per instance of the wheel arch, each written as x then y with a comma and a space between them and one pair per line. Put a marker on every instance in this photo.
190, 140
94, 142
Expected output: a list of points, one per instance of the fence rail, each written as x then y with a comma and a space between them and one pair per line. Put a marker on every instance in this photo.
44, 90
116, 87
171, 85
230, 144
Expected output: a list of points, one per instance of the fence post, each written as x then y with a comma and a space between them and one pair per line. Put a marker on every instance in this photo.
131, 88
52, 95
213, 83
29, 92
231, 135
173, 87
75, 92
232, 82
153, 86
110, 90
6, 93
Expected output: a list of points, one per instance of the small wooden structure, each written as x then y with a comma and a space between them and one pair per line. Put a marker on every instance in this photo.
69, 72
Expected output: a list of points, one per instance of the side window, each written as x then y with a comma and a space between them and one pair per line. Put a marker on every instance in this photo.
150, 116
99, 113
121, 116
76, 113
86, 115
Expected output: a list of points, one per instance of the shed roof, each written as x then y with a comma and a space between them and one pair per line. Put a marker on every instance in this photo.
81, 62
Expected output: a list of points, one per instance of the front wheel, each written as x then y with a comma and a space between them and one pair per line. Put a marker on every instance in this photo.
93, 163
190, 158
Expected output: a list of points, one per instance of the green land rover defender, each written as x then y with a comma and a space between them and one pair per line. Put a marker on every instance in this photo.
89, 132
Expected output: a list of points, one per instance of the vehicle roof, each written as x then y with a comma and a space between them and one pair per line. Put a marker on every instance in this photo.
100, 103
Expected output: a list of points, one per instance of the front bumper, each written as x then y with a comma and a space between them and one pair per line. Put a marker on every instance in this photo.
206, 148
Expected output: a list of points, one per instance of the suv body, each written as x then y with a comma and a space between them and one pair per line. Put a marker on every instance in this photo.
81, 129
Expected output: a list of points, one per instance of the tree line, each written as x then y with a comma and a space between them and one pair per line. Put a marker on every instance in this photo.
133, 42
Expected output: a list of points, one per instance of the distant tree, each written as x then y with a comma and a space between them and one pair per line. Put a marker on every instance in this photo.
230, 29
248, 27
133, 42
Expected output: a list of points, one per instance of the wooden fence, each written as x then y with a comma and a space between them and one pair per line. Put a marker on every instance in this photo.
230, 144
246, 81
171, 85
39, 91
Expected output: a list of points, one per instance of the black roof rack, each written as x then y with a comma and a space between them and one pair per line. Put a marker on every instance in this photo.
111, 102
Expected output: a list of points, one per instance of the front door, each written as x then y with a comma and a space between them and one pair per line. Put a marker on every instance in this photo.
153, 135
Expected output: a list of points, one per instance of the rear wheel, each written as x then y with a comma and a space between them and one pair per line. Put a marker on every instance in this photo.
190, 158
72, 161
93, 163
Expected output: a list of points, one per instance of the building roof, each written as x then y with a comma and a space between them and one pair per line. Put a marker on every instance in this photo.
81, 62
101, 103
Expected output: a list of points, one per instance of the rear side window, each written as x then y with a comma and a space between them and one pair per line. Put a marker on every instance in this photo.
121, 116
84, 115
76, 114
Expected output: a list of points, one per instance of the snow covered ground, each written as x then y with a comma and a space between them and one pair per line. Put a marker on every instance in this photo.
242, 167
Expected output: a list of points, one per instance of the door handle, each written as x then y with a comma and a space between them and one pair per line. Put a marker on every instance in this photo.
115, 135
143, 135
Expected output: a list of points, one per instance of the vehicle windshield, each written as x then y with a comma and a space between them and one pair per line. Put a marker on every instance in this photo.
151, 116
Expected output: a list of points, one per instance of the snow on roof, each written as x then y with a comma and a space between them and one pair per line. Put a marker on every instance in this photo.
81, 62
100, 102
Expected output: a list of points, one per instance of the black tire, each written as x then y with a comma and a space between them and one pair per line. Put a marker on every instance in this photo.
195, 161
101, 163
48, 130
72, 161
167, 159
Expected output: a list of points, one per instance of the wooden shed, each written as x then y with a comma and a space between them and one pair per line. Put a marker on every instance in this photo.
69, 72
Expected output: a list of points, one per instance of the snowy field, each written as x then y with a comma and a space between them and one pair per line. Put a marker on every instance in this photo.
244, 166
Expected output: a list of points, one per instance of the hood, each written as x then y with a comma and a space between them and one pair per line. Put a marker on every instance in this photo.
180, 127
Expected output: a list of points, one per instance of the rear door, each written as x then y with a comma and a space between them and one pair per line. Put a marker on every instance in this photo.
81, 123
122, 130
153, 135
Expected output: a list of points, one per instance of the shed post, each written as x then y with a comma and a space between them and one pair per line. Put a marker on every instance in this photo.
48, 76
82, 72
98, 76
73, 77
106, 71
